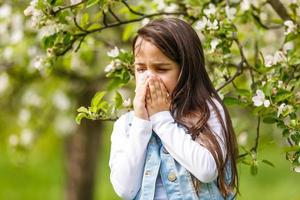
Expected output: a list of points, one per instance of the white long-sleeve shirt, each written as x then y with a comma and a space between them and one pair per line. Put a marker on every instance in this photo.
128, 150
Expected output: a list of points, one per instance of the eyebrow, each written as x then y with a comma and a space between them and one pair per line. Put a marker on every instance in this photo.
156, 64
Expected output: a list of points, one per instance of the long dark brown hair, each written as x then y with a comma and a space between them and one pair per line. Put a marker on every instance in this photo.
194, 90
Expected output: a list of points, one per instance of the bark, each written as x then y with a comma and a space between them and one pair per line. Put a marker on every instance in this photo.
82, 150
279, 9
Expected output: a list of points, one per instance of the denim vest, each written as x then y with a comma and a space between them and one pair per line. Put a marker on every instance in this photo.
176, 180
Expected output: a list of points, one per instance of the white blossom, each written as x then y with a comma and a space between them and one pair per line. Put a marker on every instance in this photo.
114, 64
75, 1
31, 98
290, 27
214, 43
36, 14
127, 103
5, 11
245, 5
61, 100
13, 140
4, 82
280, 84
212, 25
26, 137
8, 53
145, 21
267, 103
24, 115
230, 12
211, 10
273, 60
255, 3
268, 60
259, 99
279, 57
171, 8
38, 62
114, 52
201, 24
31, 8
160, 4
17, 29
51, 28
242, 138
297, 169
284, 109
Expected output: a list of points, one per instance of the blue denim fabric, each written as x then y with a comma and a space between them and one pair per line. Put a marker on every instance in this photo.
176, 179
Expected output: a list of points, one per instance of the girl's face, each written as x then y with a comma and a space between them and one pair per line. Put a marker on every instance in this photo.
149, 60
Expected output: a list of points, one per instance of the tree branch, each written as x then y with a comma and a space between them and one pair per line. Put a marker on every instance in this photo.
279, 9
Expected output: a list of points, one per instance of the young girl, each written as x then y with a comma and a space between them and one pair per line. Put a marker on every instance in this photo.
178, 142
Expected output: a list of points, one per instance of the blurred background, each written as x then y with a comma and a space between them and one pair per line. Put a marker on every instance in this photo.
45, 155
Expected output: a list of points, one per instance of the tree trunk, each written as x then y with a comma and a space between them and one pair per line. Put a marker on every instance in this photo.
82, 150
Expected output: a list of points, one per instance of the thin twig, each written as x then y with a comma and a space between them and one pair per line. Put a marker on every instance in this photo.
113, 14
131, 10
78, 26
80, 42
257, 135
68, 7
104, 18
115, 24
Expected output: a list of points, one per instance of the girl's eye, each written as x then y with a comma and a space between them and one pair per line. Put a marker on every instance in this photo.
161, 70
140, 69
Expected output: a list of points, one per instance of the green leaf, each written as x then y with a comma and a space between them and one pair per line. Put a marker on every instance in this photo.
118, 100
291, 148
244, 92
83, 110
283, 95
91, 3
270, 119
128, 32
51, 2
267, 88
84, 20
80, 116
97, 98
285, 133
254, 169
231, 101
268, 163
94, 26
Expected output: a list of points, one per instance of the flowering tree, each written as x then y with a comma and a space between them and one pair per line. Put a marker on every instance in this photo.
252, 55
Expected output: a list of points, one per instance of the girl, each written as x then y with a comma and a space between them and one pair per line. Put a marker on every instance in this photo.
178, 142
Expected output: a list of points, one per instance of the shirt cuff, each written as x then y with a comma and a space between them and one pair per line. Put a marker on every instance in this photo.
141, 124
159, 118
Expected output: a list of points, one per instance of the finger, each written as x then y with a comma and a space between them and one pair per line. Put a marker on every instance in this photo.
143, 91
153, 93
158, 88
164, 89
148, 96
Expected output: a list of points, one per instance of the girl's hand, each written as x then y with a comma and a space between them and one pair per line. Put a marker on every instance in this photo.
157, 98
139, 101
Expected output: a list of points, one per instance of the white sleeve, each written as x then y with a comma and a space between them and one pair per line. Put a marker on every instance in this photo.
127, 155
190, 154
